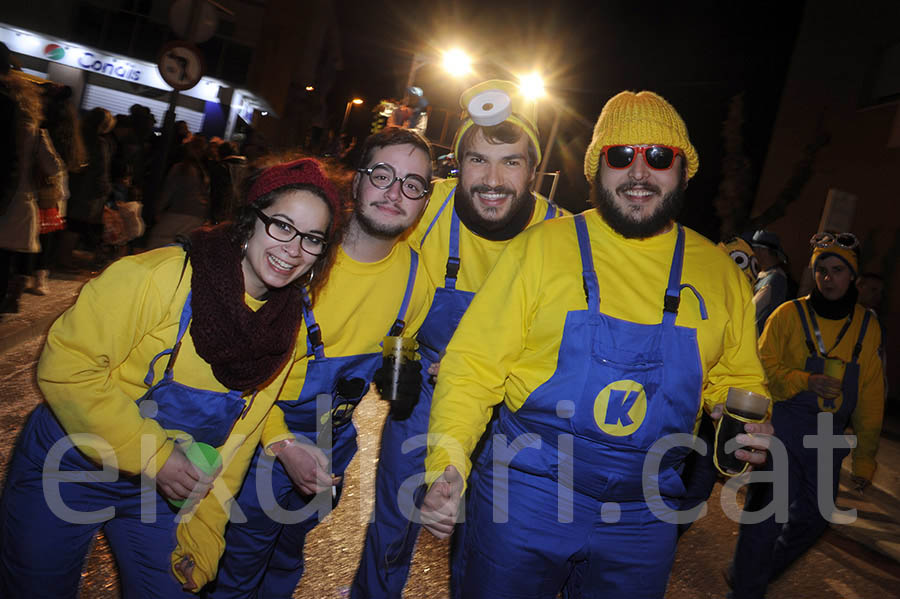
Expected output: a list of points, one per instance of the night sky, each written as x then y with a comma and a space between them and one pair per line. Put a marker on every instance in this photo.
698, 55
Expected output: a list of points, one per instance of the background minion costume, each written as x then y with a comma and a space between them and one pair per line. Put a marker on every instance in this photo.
457, 261
570, 333
794, 345
361, 303
139, 308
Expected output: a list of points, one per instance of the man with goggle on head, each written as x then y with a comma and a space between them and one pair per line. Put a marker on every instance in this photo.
822, 356
609, 331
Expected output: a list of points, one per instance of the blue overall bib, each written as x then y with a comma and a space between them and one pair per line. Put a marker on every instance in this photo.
391, 537
264, 557
768, 548
571, 514
43, 554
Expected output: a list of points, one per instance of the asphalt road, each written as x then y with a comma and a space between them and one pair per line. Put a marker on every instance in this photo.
836, 567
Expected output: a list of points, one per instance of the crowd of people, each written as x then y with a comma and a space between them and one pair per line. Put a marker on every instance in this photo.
89, 183
557, 353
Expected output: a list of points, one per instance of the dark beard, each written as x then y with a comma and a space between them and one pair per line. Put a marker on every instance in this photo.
375, 229
495, 230
603, 200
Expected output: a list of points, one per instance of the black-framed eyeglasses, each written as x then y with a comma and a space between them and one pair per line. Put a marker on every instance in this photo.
845, 240
347, 395
383, 175
279, 230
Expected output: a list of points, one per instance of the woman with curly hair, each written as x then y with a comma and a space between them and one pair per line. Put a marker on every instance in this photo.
176, 346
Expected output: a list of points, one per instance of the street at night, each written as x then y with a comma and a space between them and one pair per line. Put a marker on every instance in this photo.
838, 566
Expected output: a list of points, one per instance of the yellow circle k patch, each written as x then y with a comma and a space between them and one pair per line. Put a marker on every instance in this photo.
620, 408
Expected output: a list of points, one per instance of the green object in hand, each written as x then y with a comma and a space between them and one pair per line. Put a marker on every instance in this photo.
205, 458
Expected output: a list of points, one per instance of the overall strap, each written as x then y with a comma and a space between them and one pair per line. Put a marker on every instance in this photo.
588, 274
453, 254
314, 345
551, 211
862, 333
672, 298
400, 323
809, 342
814, 324
438, 215
183, 322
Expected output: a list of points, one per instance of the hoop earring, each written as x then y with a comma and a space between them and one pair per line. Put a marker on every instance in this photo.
244, 248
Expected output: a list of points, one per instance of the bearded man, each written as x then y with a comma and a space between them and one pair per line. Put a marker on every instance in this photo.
597, 335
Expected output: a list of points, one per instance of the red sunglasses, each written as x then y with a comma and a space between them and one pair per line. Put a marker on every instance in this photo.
658, 157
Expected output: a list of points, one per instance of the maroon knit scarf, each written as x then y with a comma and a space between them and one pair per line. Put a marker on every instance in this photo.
244, 348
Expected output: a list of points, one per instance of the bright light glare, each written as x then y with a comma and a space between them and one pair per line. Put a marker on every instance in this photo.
357, 101
532, 86
265, 113
309, 88
457, 62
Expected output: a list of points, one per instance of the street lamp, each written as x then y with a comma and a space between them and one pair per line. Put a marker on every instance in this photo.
532, 86
455, 61
350, 104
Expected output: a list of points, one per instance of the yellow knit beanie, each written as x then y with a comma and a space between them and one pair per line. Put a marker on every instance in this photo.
848, 256
635, 119
493, 102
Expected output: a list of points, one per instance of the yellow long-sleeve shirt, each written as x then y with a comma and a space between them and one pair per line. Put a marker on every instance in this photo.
508, 341
477, 254
783, 351
92, 370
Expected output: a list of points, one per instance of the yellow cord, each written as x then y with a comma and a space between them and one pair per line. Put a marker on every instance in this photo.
716, 453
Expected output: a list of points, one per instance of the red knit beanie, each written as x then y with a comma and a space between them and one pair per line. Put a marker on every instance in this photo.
305, 171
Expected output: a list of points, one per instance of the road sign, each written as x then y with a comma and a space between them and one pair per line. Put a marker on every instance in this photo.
180, 65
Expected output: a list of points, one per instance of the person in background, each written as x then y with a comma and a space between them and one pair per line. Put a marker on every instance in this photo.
20, 103
184, 203
61, 123
822, 356
185, 344
89, 188
225, 176
772, 287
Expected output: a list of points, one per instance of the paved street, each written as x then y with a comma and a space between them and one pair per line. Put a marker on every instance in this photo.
841, 565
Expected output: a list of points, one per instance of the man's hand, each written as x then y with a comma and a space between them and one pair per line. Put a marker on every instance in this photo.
186, 568
180, 479
433, 371
307, 467
441, 506
824, 386
757, 437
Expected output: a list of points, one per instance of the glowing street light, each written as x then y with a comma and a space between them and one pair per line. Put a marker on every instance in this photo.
457, 63
532, 86
357, 102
